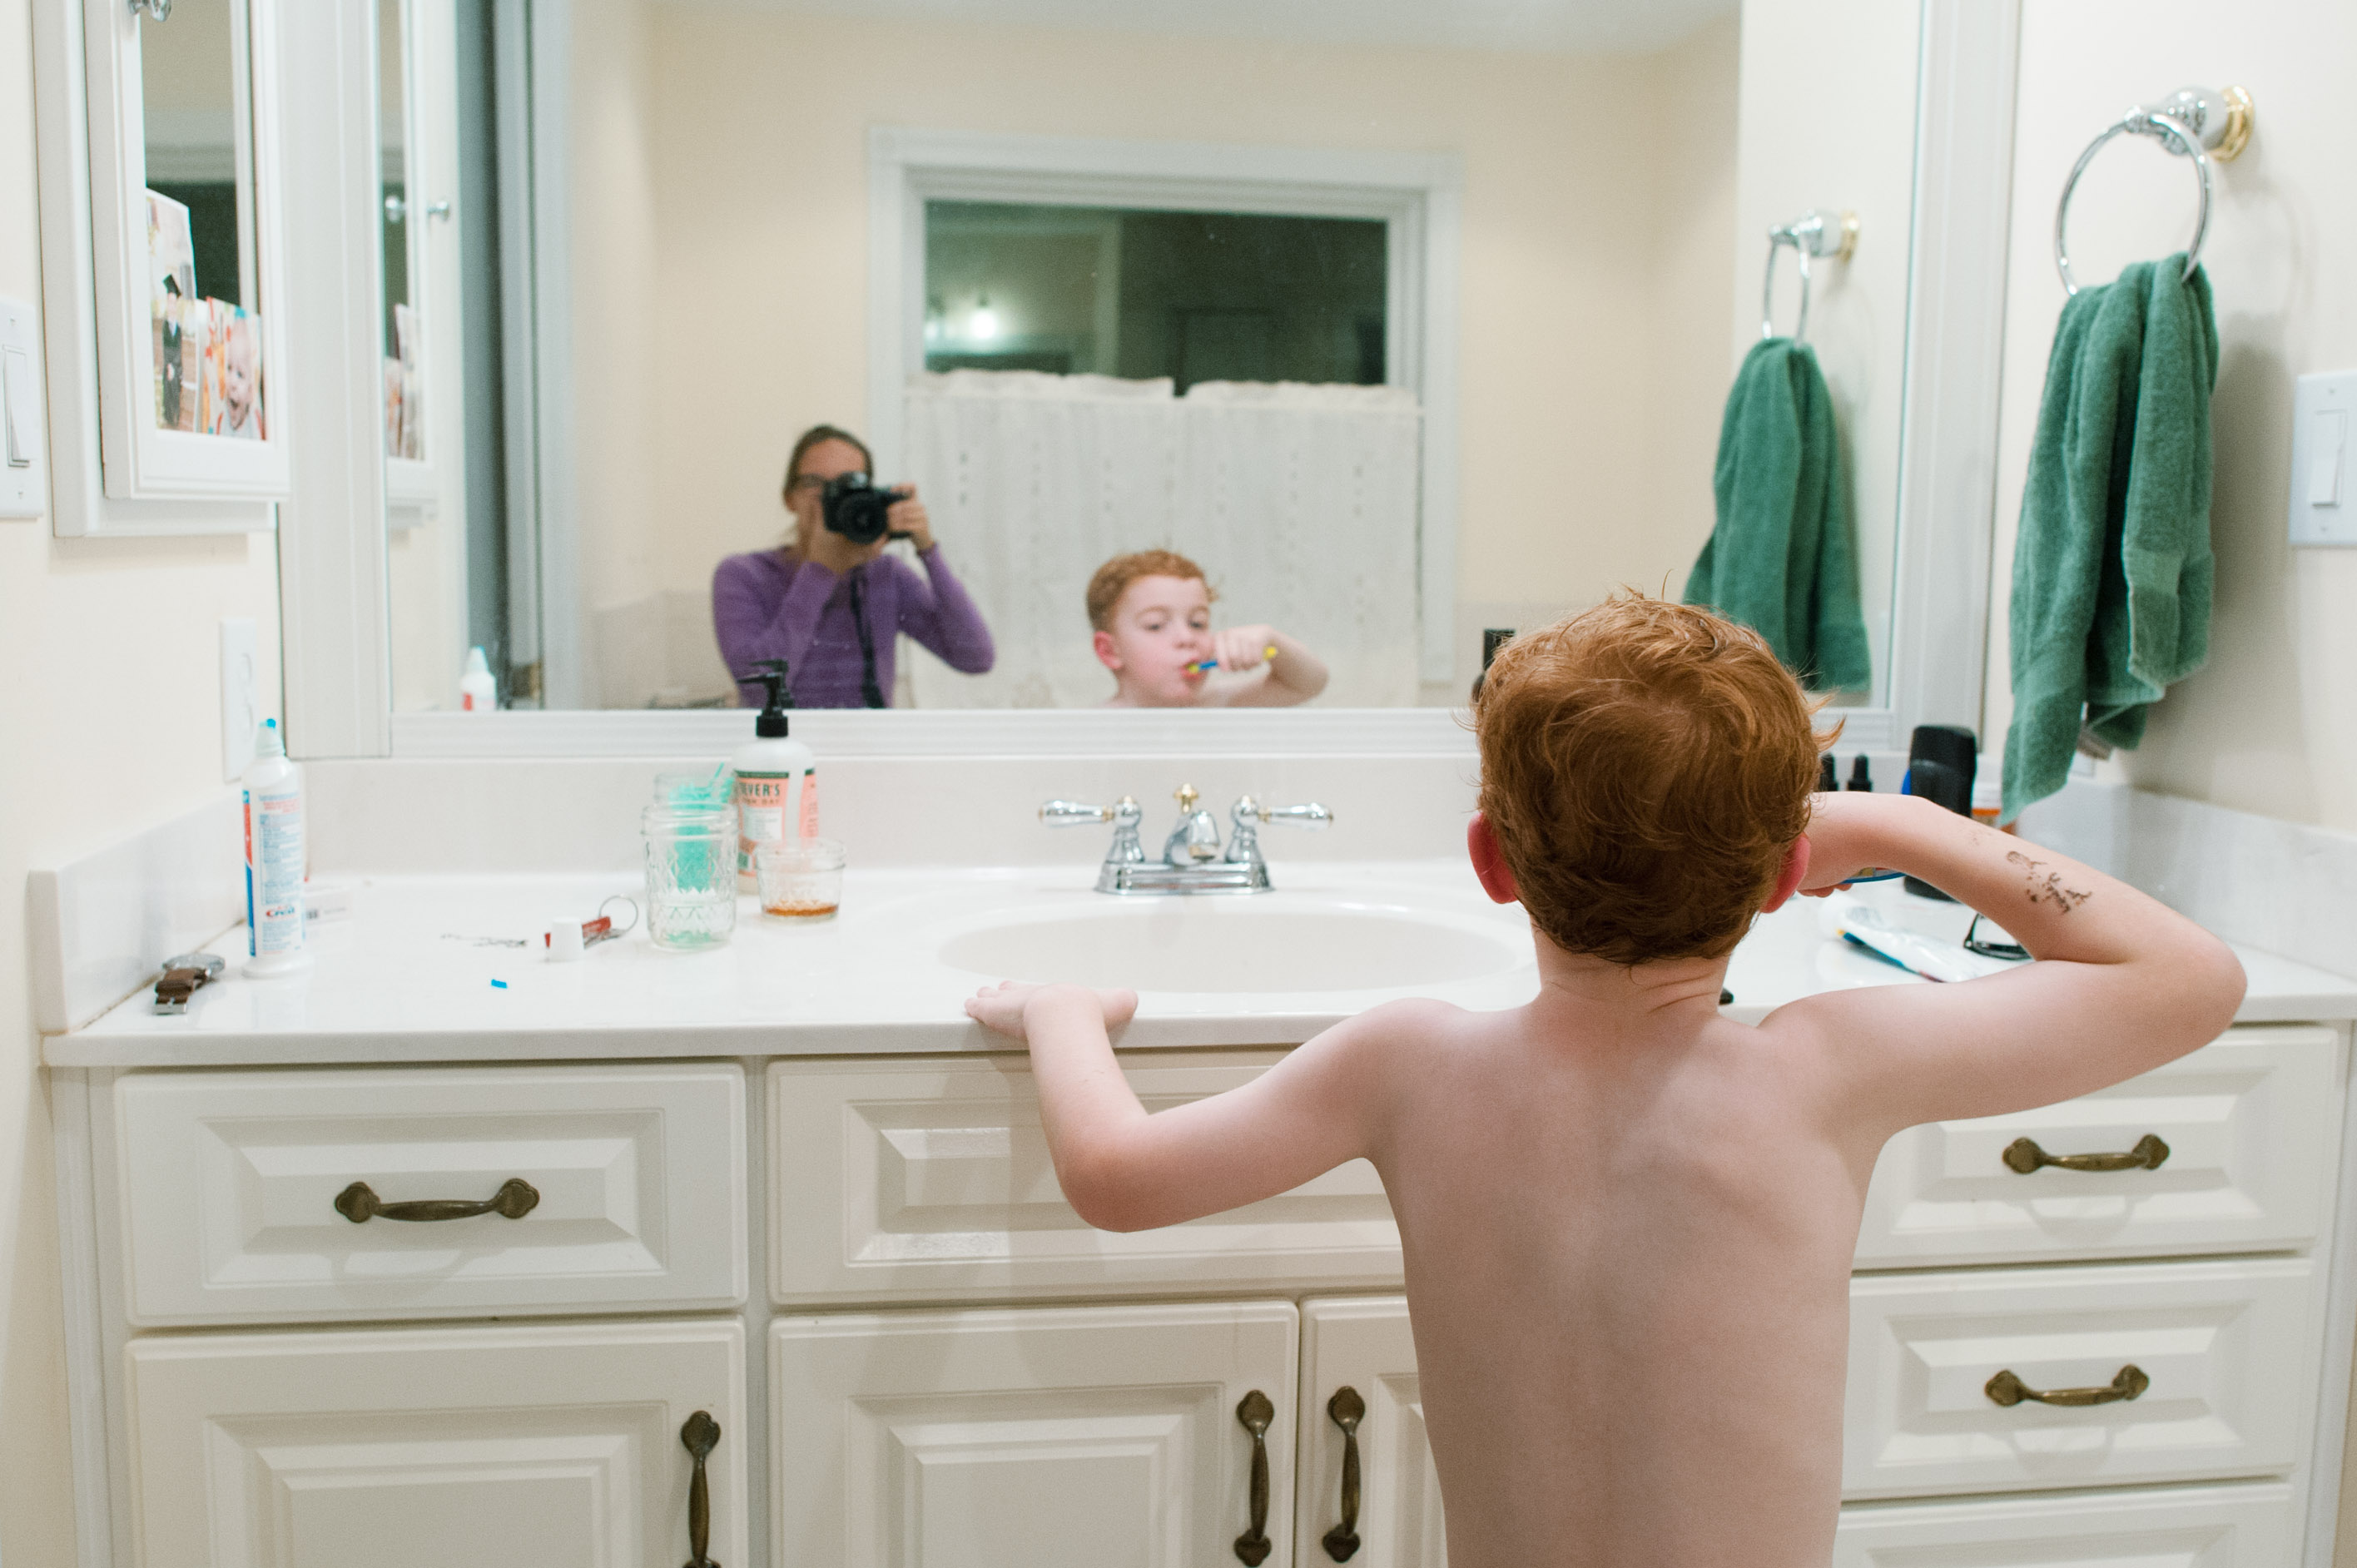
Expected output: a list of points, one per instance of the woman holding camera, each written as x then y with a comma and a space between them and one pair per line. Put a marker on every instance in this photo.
829, 604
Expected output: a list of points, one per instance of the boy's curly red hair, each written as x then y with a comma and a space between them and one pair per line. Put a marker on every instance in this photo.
1645, 766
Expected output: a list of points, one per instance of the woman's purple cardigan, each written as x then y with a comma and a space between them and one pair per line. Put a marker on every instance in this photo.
768, 606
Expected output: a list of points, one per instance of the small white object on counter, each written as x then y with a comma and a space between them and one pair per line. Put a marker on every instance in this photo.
479, 691
275, 857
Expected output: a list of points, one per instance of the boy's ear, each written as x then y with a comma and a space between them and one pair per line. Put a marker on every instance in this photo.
1489, 861
1106, 656
1787, 880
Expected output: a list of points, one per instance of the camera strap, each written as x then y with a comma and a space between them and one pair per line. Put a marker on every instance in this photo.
870, 693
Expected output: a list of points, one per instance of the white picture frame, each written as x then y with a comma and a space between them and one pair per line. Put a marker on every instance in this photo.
141, 460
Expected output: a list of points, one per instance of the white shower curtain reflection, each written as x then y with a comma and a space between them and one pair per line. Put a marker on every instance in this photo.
1299, 502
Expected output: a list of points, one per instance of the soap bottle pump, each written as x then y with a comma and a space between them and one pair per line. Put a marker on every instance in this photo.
777, 776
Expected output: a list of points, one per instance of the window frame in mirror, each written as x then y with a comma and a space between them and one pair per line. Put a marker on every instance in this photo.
1965, 116
1415, 196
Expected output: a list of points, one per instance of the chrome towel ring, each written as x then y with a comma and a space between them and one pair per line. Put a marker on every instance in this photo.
1816, 233
2192, 122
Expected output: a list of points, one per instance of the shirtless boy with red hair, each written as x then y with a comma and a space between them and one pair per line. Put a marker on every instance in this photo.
1628, 1221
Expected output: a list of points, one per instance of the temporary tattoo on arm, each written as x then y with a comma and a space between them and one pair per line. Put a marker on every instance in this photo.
2048, 887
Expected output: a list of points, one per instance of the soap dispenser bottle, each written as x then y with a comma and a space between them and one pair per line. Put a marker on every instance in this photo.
777, 776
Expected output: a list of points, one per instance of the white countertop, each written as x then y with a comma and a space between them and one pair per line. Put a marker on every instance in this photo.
410, 975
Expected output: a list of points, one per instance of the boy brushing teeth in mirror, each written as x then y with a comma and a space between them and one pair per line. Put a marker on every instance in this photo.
1627, 1220
1152, 612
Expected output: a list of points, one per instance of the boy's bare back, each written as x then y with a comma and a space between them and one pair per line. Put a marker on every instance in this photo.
1629, 1222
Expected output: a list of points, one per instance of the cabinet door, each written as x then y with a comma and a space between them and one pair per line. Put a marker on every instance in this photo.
1362, 1345
924, 1179
2247, 1132
1042, 1437
545, 1446
2251, 1526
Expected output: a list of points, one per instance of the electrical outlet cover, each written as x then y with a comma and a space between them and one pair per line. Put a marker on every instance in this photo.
23, 446
241, 696
2323, 491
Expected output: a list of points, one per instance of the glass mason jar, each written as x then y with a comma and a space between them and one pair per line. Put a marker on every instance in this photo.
691, 874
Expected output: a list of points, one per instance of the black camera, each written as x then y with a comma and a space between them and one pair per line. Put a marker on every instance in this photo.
856, 508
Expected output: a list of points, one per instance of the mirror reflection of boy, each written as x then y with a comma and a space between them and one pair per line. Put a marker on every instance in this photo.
1152, 615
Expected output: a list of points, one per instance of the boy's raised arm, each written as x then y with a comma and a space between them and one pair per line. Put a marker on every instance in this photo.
2122, 983
1124, 1169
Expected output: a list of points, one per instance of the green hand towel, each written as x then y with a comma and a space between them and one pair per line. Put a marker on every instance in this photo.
1781, 558
2111, 570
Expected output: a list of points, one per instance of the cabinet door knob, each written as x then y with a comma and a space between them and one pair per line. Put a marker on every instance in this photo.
1255, 1413
2005, 1389
2024, 1156
515, 1199
699, 1436
1346, 1410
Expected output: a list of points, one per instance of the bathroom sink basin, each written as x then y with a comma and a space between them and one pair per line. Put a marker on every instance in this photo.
1240, 945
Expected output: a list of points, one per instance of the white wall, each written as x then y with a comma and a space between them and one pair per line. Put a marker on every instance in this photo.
1828, 121
110, 720
1597, 231
2267, 727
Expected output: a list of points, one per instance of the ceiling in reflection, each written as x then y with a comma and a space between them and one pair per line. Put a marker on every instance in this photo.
1515, 26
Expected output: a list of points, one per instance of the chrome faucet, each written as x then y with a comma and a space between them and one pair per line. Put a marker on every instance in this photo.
1191, 860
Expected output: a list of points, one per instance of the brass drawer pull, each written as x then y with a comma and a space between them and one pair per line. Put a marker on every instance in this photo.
700, 1436
1256, 1413
2023, 1154
1346, 1410
2008, 1390
515, 1199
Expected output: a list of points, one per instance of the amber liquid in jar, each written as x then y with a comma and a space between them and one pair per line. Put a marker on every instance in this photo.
797, 909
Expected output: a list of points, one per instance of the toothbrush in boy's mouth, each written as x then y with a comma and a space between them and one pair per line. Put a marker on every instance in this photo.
1201, 665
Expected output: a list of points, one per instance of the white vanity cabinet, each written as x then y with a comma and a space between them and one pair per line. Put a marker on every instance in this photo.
941, 1365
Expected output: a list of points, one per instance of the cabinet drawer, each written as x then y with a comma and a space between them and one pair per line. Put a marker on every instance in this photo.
230, 1185
2252, 1126
2246, 1526
2226, 1347
548, 1445
923, 1179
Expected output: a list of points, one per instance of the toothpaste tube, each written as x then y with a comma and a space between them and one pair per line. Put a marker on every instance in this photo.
1864, 926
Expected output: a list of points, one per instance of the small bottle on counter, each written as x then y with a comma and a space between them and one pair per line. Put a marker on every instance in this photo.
275, 859
477, 691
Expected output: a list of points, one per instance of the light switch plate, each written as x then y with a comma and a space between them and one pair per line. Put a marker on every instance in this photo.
2323, 491
240, 707
24, 442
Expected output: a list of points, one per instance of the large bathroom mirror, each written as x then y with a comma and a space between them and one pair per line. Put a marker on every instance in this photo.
1402, 322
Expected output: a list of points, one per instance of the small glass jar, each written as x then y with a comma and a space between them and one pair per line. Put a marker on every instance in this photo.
691, 874
801, 879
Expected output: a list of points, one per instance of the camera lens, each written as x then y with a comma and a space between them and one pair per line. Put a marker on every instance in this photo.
855, 508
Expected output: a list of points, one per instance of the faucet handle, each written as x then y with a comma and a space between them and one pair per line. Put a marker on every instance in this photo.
1076, 814
1309, 814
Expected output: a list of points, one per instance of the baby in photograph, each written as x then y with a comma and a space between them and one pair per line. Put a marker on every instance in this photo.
1152, 615
1627, 1220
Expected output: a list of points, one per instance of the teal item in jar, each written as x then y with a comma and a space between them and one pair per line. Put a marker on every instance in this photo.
691, 841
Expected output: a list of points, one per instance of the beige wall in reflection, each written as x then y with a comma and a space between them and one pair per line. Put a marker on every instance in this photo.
721, 200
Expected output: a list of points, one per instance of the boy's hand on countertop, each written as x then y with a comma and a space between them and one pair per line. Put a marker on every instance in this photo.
1001, 1007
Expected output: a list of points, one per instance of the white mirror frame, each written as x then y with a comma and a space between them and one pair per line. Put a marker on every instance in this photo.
1948, 439
111, 474
141, 461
